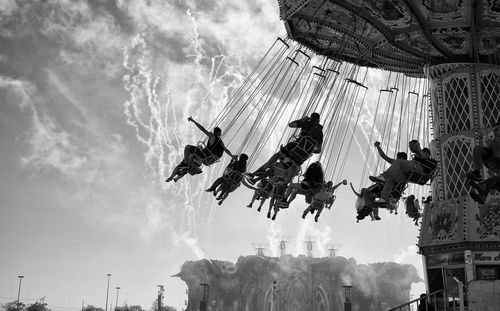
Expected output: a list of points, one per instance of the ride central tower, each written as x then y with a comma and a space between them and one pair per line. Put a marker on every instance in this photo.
455, 45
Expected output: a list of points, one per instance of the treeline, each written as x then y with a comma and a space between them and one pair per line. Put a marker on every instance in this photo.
37, 306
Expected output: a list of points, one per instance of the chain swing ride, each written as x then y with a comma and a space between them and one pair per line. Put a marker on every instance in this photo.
290, 83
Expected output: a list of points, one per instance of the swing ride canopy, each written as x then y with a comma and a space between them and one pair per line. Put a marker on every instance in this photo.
401, 36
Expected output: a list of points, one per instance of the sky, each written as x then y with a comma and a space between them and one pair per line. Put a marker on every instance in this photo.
94, 100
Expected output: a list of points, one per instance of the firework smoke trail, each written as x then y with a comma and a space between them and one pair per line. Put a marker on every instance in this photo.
301, 237
209, 105
142, 86
323, 239
198, 55
273, 239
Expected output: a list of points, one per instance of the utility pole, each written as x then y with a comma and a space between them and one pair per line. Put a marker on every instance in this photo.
117, 290
204, 300
160, 296
19, 290
107, 292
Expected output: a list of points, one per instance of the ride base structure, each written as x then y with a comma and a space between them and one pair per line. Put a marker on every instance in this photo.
454, 45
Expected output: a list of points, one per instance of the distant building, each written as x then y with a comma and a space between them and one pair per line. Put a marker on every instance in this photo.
289, 283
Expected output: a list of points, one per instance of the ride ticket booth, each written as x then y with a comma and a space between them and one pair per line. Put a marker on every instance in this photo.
446, 271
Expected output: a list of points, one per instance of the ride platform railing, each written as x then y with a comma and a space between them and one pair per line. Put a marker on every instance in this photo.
436, 301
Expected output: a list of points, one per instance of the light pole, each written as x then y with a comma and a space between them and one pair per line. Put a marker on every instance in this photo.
274, 297
19, 290
107, 292
204, 300
348, 302
160, 296
117, 289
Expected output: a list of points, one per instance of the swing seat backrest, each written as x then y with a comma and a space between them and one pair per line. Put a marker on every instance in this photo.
209, 158
303, 149
317, 204
422, 178
233, 176
279, 190
193, 170
281, 204
279, 171
426, 177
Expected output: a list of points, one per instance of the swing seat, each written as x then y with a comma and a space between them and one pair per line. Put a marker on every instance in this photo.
421, 178
413, 214
317, 204
278, 192
301, 149
193, 169
232, 176
279, 172
207, 158
392, 205
281, 204
331, 200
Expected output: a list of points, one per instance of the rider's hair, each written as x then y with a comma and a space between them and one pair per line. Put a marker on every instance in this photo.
243, 157
402, 155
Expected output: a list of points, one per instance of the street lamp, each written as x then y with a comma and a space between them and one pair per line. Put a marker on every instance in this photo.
347, 303
19, 291
204, 300
160, 296
274, 297
117, 289
107, 291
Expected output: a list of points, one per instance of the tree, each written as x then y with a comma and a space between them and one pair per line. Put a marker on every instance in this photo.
14, 306
37, 306
154, 307
130, 308
92, 308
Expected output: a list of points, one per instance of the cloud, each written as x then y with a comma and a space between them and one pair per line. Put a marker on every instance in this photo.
410, 255
50, 146
7, 7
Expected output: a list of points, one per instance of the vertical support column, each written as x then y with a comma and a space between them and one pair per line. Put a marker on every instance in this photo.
204, 299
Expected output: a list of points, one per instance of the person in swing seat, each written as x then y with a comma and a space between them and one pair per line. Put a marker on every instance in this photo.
483, 189
400, 170
286, 167
324, 198
279, 184
413, 208
208, 155
314, 179
310, 129
232, 175
489, 156
262, 193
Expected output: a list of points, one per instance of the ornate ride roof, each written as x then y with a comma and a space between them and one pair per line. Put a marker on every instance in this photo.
396, 35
